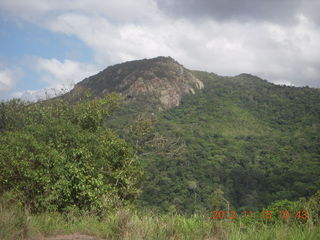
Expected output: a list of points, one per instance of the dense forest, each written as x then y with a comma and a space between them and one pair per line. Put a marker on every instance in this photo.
256, 141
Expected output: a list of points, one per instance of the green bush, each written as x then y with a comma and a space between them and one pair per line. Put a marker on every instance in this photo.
62, 157
301, 211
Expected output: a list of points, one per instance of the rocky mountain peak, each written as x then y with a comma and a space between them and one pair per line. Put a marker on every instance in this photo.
162, 78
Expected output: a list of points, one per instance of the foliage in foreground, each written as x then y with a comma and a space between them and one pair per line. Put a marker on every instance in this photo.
131, 223
136, 225
55, 155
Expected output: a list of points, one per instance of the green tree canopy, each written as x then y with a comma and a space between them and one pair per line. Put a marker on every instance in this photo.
55, 155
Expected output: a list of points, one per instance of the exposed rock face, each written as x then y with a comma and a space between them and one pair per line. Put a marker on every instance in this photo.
162, 77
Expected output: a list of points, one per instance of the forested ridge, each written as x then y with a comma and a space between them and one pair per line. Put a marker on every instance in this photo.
256, 141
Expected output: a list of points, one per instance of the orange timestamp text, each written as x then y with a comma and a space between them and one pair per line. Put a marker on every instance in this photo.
265, 214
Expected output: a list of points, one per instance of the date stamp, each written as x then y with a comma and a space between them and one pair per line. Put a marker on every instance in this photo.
266, 214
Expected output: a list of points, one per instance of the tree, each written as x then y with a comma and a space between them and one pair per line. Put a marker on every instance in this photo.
62, 156
218, 201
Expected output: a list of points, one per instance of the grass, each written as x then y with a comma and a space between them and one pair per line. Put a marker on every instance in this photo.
13, 220
127, 224
138, 225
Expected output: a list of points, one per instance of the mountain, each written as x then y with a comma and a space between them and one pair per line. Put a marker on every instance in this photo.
161, 78
253, 141
256, 141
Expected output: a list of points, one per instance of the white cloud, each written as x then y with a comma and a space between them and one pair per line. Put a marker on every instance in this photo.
62, 74
113, 44
59, 76
36, 95
7, 79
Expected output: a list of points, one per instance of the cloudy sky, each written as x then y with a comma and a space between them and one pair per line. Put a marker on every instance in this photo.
47, 44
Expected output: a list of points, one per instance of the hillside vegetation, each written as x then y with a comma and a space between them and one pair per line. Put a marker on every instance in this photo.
231, 158
55, 155
255, 141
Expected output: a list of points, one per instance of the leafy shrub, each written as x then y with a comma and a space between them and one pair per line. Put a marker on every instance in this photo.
62, 157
